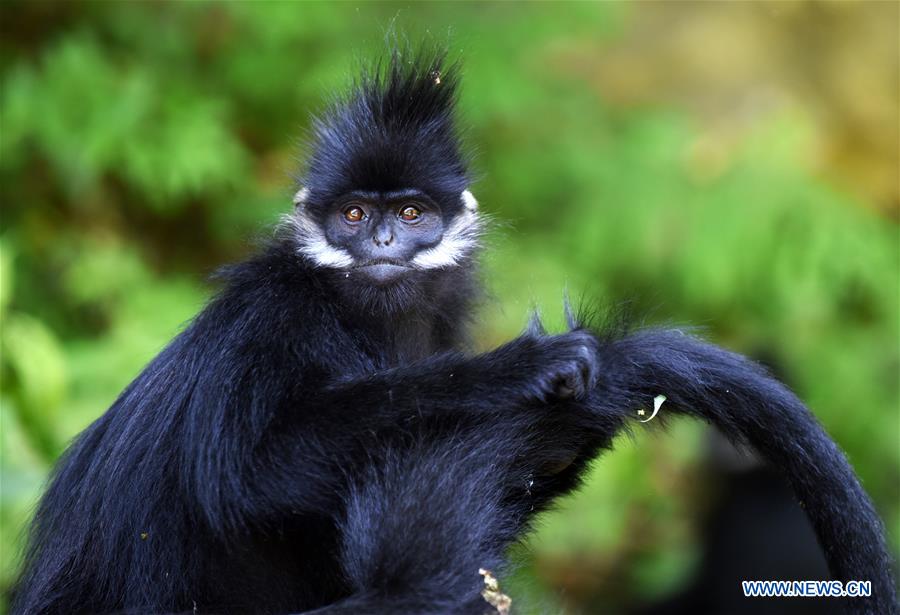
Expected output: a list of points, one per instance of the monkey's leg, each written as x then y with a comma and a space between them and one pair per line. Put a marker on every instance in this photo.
421, 523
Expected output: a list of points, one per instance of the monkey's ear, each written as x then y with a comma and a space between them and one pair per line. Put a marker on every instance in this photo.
300, 197
469, 201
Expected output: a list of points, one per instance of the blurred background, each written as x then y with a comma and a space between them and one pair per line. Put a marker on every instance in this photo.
728, 165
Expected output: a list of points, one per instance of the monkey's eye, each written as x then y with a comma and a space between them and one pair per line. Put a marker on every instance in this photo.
354, 214
410, 213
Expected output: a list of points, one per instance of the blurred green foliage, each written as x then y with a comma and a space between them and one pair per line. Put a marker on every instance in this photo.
143, 144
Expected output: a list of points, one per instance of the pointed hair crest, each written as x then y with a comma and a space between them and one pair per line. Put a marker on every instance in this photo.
411, 89
395, 130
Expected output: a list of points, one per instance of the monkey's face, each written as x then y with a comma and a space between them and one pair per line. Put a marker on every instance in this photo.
387, 239
384, 233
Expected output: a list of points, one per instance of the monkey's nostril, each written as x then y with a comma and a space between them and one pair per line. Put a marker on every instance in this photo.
382, 241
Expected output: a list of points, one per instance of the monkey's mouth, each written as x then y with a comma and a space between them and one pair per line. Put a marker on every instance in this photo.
382, 271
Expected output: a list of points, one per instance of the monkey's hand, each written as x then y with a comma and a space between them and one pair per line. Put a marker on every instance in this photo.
548, 367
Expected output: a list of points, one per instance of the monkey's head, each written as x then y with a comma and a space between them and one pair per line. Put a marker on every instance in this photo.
384, 206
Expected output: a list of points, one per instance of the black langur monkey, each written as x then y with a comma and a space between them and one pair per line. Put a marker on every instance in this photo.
317, 438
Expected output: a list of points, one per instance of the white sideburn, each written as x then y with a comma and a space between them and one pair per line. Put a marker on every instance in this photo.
459, 240
468, 200
311, 243
300, 197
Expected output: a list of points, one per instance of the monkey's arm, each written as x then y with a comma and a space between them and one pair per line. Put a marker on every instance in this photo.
529, 368
515, 389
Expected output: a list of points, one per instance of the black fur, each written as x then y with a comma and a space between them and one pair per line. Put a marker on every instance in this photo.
395, 132
293, 450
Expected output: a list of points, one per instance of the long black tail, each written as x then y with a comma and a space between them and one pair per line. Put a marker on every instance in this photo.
741, 399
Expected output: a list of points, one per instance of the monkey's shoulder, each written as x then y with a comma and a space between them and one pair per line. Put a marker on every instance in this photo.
273, 288
273, 309
268, 331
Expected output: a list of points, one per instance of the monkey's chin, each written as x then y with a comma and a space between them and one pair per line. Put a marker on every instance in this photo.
382, 274
385, 291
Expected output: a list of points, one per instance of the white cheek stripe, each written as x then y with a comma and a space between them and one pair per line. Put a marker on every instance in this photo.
312, 244
468, 201
460, 240
300, 197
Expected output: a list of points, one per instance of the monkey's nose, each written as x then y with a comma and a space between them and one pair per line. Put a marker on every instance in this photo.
383, 238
